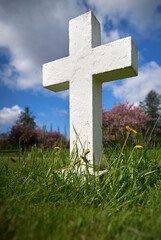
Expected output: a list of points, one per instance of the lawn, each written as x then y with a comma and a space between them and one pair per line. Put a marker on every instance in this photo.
39, 203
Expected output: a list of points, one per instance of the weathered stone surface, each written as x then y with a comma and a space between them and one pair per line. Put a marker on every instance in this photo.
89, 65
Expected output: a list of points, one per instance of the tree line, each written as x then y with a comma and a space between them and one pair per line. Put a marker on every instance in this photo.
26, 133
143, 118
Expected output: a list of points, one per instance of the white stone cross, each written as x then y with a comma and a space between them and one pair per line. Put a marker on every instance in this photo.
88, 65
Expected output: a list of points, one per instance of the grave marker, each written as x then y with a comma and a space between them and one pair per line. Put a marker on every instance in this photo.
88, 65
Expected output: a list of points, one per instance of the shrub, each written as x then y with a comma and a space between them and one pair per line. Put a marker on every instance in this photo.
4, 141
48, 139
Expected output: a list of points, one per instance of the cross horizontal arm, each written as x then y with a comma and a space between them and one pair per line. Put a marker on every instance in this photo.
116, 60
56, 75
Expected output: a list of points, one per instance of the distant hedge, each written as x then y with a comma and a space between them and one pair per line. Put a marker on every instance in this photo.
9, 151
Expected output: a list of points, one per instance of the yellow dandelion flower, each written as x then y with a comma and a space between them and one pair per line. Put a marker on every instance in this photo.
57, 148
12, 159
78, 161
131, 130
138, 146
87, 151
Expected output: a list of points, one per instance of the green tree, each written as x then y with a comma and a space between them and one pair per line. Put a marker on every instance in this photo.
24, 130
152, 104
26, 118
24, 134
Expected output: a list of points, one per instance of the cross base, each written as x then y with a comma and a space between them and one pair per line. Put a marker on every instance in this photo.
99, 172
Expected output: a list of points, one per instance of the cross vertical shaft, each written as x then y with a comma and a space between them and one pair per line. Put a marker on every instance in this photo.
85, 92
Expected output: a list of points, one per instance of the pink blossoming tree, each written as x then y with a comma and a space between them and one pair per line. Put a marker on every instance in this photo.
116, 119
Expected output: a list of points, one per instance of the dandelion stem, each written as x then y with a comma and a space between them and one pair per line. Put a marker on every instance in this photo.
120, 157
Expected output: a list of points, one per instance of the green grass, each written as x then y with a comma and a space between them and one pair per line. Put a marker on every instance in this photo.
38, 203
7, 153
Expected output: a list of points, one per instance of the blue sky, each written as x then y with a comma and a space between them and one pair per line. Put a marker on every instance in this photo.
35, 32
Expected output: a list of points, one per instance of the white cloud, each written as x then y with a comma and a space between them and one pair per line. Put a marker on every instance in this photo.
64, 94
135, 89
110, 36
9, 115
35, 32
61, 112
143, 15
42, 114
